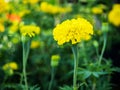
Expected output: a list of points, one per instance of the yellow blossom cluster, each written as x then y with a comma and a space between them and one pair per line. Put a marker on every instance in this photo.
9, 67
73, 31
13, 28
4, 6
29, 30
114, 15
35, 44
30, 1
52, 9
98, 9
2, 28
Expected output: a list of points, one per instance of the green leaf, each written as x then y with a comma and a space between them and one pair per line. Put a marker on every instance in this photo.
102, 73
95, 74
34, 88
66, 87
87, 74
116, 69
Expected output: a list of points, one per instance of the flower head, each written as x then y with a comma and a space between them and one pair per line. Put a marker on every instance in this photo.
53, 9
74, 31
14, 18
10, 67
114, 15
35, 44
3, 6
30, 1
2, 28
29, 30
97, 10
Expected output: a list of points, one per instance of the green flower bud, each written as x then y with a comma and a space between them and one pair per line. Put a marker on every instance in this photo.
95, 43
9, 72
55, 60
105, 27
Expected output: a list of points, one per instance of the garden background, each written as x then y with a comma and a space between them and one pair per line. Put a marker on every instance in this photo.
49, 66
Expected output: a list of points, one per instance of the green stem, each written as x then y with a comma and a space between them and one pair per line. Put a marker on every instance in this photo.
74, 50
103, 48
84, 53
94, 84
52, 78
26, 48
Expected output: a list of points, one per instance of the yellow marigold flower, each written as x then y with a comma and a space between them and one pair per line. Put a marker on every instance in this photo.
2, 28
73, 31
116, 6
29, 30
23, 12
11, 65
35, 44
55, 60
65, 9
97, 10
114, 15
3, 6
30, 1
52, 9
48, 8
13, 28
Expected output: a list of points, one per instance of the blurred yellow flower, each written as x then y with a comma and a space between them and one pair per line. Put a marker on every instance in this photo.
46, 7
3, 6
24, 12
13, 28
73, 31
116, 6
2, 28
97, 10
2, 19
65, 9
29, 30
55, 60
35, 44
52, 9
11, 65
114, 15
30, 1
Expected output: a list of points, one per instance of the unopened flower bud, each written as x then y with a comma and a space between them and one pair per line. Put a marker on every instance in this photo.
55, 60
